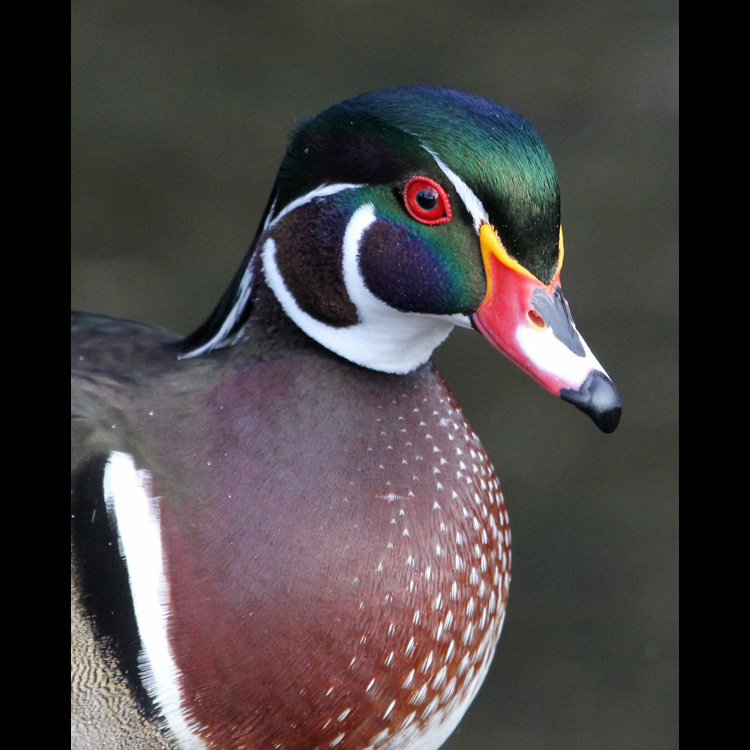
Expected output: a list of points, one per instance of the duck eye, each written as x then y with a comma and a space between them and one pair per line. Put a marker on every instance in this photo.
426, 201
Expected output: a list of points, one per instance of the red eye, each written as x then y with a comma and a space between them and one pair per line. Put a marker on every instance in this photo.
426, 201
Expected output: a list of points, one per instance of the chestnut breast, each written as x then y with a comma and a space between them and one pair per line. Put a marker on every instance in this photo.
347, 565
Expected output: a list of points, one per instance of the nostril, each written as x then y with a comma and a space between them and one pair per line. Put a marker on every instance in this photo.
536, 320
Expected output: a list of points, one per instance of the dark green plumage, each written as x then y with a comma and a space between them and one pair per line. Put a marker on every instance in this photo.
379, 140
378, 137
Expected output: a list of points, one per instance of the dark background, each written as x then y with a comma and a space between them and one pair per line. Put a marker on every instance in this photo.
180, 116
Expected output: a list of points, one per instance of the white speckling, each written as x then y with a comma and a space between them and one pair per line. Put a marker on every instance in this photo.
389, 709
468, 632
430, 708
389, 659
409, 679
427, 663
419, 696
449, 652
408, 720
439, 631
370, 684
338, 739
344, 714
483, 619
415, 618
439, 678
409, 647
378, 738
464, 665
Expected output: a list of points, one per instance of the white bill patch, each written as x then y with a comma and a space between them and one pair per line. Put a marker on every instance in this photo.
552, 356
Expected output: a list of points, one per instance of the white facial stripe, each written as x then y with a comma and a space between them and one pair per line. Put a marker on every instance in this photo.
473, 204
385, 339
320, 192
220, 339
246, 285
127, 493
270, 213
551, 355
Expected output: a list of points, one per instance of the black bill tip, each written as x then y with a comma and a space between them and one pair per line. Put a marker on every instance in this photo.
599, 398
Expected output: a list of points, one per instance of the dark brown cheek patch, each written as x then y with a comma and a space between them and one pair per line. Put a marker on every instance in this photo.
308, 252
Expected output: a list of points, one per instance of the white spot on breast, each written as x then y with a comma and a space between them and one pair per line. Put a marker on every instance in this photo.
389, 709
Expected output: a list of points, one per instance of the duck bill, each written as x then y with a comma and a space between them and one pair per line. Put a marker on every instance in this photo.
530, 323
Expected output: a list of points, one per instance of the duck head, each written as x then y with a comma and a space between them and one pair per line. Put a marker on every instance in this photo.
401, 213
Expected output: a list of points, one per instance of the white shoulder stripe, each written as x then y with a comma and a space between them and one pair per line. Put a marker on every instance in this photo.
127, 493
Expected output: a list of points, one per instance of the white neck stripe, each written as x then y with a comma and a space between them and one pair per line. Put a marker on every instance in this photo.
246, 283
384, 339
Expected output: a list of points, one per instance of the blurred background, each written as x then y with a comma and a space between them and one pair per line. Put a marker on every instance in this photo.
180, 116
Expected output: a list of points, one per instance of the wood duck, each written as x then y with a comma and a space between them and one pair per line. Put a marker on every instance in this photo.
284, 532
